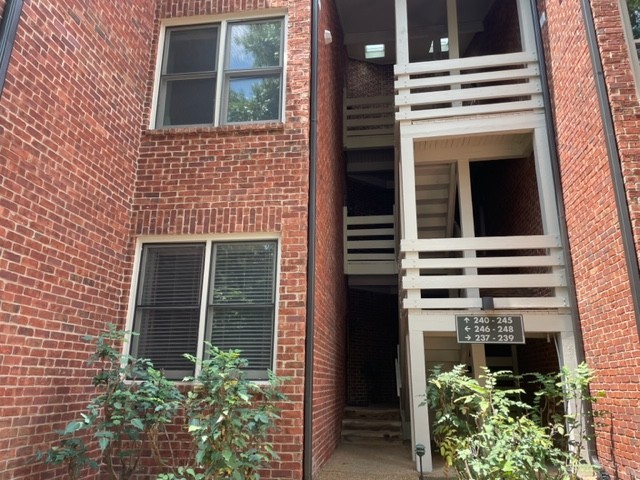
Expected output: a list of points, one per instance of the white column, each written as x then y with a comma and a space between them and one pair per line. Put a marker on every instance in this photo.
546, 187
467, 225
419, 414
527, 36
402, 33
478, 360
408, 193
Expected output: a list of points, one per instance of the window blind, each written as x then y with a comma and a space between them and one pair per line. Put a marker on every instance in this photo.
168, 307
242, 302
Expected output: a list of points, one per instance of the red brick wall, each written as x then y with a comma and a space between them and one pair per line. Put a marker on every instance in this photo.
69, 131
604, 302
330, 304
366, 79
243, 179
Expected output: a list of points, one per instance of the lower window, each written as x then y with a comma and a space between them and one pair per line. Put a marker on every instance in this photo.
220, 292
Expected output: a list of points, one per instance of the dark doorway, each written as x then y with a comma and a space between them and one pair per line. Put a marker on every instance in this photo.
372, 347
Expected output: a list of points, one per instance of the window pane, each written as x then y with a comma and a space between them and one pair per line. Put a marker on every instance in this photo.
167, 313
254, 45
191, 50
189, 102
165, 336
253, 99
249, 330
241, 303
244, 273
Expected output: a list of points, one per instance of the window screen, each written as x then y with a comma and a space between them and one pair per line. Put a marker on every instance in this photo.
167, 313
241, 303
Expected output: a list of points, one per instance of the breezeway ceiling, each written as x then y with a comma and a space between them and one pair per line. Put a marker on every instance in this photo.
373, 22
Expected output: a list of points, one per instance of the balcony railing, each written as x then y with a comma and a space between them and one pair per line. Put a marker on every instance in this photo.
370, 245
523, 272
468, 86
368, 122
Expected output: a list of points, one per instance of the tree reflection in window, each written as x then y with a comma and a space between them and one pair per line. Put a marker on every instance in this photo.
254, 70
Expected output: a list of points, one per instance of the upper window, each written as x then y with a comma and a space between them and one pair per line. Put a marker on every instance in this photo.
223, 293
228, 72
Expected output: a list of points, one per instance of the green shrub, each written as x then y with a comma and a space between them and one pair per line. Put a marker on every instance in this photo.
485, 432
133, 403
229, 419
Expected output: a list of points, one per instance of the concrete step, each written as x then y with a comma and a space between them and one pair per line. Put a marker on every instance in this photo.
370, 413
371, 425
371, 436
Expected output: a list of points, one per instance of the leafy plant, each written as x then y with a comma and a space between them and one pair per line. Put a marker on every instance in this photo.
485, 432
229, 419
135, 400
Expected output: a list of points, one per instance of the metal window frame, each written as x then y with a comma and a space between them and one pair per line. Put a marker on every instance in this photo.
221, 75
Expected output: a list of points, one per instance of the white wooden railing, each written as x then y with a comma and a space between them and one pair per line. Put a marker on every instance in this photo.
368, 122
458, 267
370, 245
468, 86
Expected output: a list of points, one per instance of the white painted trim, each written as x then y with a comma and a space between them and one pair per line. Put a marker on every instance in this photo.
510, 123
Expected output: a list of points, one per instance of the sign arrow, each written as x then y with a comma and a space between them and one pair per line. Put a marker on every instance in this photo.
466, 320
467, 328
468, 337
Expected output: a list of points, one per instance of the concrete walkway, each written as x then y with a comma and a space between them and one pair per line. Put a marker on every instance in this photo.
376, 462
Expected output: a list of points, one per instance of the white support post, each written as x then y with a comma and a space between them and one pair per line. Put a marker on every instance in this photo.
546, 188
408, 193
454, 41
402, 33
546, 193
525, 17
478, 359
452, 29
566, 345
467, 225
419, 414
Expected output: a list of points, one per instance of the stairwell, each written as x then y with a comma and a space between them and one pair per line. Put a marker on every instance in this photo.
371, 425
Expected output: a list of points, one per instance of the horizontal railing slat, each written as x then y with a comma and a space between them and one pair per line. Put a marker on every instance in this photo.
485, 61
361, 244
469, 94
471, 110
481, 243
445, 282
483, 262
370, 220
530, 71
499, 303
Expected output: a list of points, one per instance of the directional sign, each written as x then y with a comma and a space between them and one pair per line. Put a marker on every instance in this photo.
490, 328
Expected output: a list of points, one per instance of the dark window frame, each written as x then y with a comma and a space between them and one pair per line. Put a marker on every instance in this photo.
222, 75
206, 308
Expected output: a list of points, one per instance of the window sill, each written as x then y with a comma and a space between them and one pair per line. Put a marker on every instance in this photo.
248, 128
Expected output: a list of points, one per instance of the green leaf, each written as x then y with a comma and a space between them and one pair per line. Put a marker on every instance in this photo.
136, 422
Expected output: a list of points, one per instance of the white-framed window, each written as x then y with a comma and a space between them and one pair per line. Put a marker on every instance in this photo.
223, 292
226, 72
